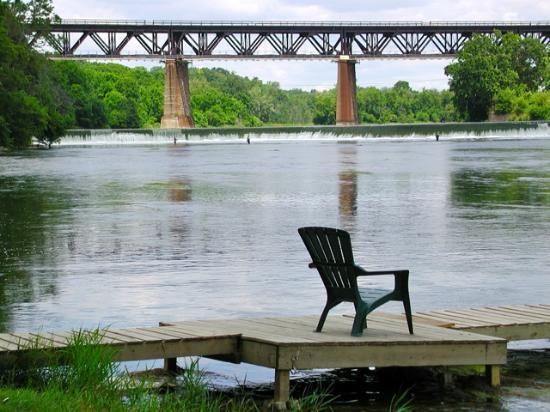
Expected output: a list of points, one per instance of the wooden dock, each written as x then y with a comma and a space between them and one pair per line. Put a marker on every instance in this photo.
441, 338
513, 322
286, 344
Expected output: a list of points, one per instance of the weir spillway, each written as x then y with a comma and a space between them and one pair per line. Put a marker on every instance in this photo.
392, 132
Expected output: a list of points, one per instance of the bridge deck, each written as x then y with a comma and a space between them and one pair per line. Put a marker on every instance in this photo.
250, 40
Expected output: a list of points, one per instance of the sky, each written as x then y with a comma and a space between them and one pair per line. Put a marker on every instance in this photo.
425, 73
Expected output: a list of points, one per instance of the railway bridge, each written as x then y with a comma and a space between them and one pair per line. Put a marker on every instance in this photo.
346, 43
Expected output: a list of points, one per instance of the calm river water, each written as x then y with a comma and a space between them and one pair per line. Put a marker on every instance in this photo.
132, 235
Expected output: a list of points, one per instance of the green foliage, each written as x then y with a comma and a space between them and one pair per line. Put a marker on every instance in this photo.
538, 107
221, 98
489, 71
109, 95
83, 377
401, 104
316, 399
398, 104
521, 105
86, 364
401, 402
214, 108
325, 107
32, 104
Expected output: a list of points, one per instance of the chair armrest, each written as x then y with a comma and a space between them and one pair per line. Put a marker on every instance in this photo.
363, 272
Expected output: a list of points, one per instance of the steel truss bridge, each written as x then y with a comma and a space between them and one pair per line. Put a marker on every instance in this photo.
91, 39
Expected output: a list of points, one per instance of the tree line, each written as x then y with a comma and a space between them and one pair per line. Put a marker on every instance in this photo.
502, 73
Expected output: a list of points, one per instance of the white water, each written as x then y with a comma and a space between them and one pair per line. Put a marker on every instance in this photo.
165, 137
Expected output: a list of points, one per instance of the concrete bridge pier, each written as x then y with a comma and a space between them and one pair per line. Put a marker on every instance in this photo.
346, 92
177, 99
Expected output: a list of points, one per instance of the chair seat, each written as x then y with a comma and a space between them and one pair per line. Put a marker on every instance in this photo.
370, 296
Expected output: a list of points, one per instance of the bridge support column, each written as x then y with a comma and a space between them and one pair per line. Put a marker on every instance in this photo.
346, 92
177, 99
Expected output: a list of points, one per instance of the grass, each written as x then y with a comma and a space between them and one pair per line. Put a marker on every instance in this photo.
401, 402
318, 399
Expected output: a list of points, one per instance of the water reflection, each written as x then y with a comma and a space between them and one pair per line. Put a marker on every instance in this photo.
500, 187
347, 184
180, 191
26, 205
175, 190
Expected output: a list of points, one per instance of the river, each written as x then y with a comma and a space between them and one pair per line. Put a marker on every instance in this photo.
131, 235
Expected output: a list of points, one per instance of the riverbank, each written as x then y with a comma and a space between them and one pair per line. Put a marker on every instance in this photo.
408, 131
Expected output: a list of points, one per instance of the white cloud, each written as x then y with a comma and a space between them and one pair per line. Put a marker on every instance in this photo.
315, 74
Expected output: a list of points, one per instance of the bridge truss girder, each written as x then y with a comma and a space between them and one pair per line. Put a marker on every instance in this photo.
113, 39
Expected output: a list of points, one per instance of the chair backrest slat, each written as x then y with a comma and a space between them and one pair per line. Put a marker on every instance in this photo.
329, 258
315, 249
331, 252
337, 251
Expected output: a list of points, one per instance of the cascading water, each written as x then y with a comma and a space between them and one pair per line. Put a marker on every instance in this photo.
443, 131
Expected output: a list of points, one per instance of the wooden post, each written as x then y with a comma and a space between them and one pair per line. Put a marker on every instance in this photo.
446, 377
171, 365
282, 387
492, 374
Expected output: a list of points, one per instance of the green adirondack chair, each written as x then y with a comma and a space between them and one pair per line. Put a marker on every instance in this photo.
332, 256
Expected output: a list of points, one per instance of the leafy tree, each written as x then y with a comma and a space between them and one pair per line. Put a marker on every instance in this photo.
527, 57
539, 106
31, 102
325, 107
489, 64
475, 77
121, 111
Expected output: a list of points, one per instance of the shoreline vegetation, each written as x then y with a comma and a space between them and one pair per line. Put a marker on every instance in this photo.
502, 74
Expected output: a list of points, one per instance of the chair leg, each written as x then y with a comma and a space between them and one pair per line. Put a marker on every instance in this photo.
328, 307
359, 323
408, 314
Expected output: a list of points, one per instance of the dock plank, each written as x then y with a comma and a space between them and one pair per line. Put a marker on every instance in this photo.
8, 346
496, 321
170, 334
545, 308
32, 341
471, 316
504, 318
526, 310
522, 317
188, 336
120, 339
446, 317
136, 336
467, 317
50, 337
199, 330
